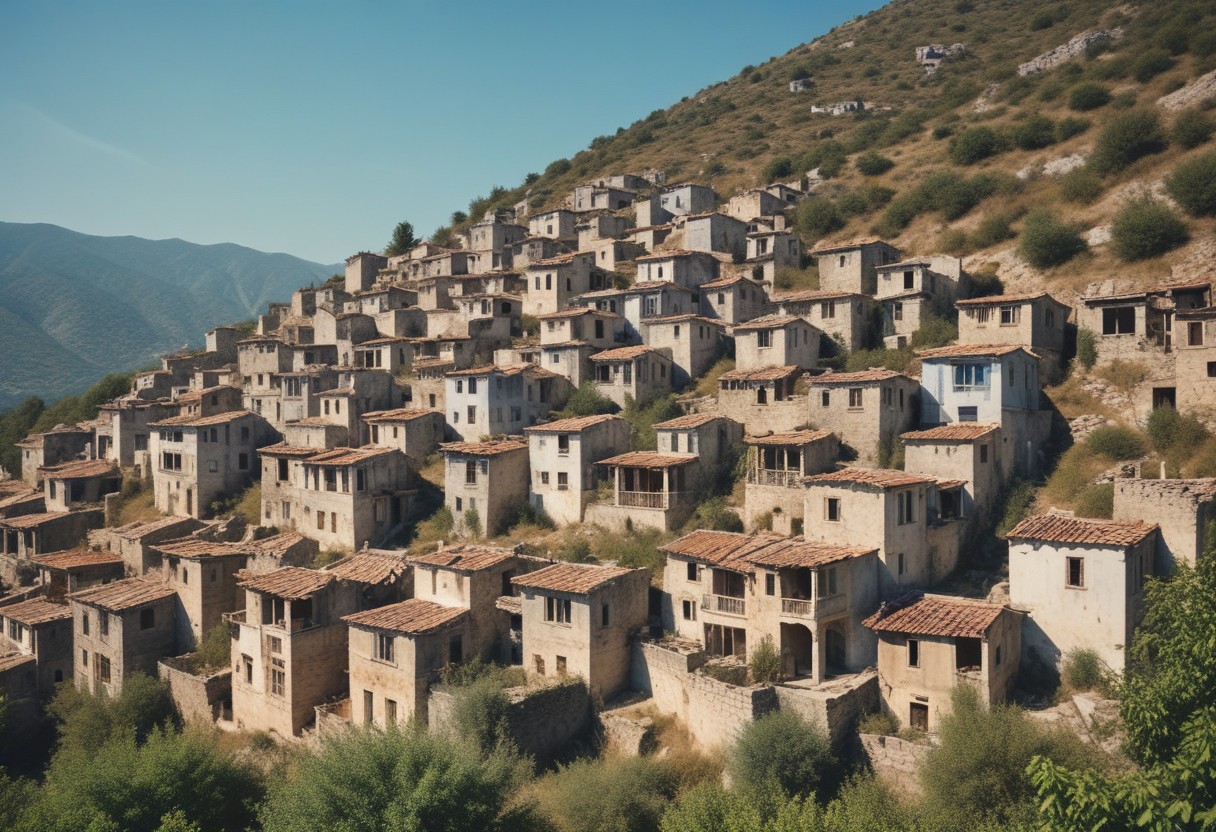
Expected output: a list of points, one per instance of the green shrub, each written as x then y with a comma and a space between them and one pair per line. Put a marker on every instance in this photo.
975, 144
1151, 63
765, 662
1087, 348
1171, 431
779, 168
1085, 670
1116, 442
879, 722
714, 514
621, 794
215, 650
587, 401
1016, 502
818, 216
1192, 129
1070, 126
472, 523
1044, 19
1088, 96
1048, 241
1146, 228
1126, 138
1034, 133
479, 714
873, 164
1081, 185
1193, 185
783, 751
992, 230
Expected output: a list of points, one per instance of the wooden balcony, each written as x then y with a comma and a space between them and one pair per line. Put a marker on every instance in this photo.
644, 499
765, 476
723, 604
797, 608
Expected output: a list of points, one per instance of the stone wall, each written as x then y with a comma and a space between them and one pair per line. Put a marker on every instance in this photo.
199, 699
895, 761
834, 706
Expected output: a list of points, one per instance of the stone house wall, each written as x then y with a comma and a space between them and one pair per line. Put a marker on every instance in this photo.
201, 700
888, 408
1182, 508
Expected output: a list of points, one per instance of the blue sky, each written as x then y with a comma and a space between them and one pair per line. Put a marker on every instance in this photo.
313, 128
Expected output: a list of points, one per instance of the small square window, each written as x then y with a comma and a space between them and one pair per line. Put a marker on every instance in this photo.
833, 509
692, 572
770, 584
690, 610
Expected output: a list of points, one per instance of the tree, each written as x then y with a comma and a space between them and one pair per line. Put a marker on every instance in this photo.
401, 779
1147, 228
403, 240
784, 752
1193, 185
87, 721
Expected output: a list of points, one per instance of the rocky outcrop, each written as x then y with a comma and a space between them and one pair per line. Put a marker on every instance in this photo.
1066, 52
1198, 91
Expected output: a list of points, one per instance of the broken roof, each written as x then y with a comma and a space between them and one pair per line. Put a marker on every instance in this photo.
291, 582
29, 521
850, 244
492, 448
649, 459
769, 322
936, 615
689, 420
368, 568
816, 295
878, 477
465, 558
79, 558
794, 437
1060, 528
123, 595
401, 414
729, 280
623, 353
504, 370
742, 552
193, 547
79, 469
763, 374
870, 376
575, 424
572, 578
349, 456
957, 432
36, 611
413, 617
576, 312
673, 254
201, 421
999, 299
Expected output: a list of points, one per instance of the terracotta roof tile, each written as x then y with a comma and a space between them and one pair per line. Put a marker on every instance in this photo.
501, 446
27, 521
623, 353
769, 322
742, 552
201, 421
401, 414
575, 312
957, 432
574, 578
763, 374
193, 547
574, 425
276, 545
36, 611
972, 350
283, 449
13, 660
79, 558
878, 477
870, 376
936, 615
649, 459
465, 558
504, 370
687, 316
730, 280
996, 299
290, 582
412, 617
840, 246
673, 253
79, 469
794, 437
350, 456
1059, 528
123, 595
368, 568
689, 420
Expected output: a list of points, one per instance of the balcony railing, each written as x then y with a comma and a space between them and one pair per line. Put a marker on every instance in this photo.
797, 607
765, 476
723, 603
643, 499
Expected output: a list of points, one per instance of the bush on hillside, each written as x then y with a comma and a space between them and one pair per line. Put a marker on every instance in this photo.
1192, 129
778, 168
1193, 185
1151, 63
623, 794
1088, 96
992, 230
1171, 431
975, 144
587, 401
1087, 348
1126, 138
1081, 185
818, 216
1071, 126
873, 164
1085, 670
1146, 228
1034, 133
1117, 443
1048, 241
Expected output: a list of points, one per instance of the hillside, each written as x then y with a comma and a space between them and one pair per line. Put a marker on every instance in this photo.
751, 130
74, 307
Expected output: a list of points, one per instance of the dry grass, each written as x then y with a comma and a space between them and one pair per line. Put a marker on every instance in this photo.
1073, 400
432, 470
707, 385
138, 508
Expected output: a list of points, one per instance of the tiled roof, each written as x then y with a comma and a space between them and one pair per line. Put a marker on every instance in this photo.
668, 255
574, 425
763, 374
874, 374
285, 450
741, 552
1059, 528
36, 611
574, 578
76, 559
966, 350
201, 421
193, 547
958, 432
197, 395
123, 595
622, 353
649, 459
28, 521
687, 316
350, 456
879, 477
9, 661
401, 414
17, 498
133, 531
560, 260
841, 246
505, 370
794, 437
276, 545
729, 280
936, 615
368, 568
465, 558
79, 469
574, 312
413, 617
689, 420
290, 582
501, 446
769, 322
995, 299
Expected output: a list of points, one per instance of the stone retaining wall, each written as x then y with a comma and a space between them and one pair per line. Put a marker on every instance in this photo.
199, 699
895, 761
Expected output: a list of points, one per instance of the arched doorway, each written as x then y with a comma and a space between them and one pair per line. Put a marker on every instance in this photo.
797, 650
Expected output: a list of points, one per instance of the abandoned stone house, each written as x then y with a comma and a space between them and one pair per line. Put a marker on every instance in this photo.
133, 541
1195, 361
638, 373
897, 513
603, 197
203, 574
694, 343
1136, 325
771, 249
911, 291
76, 569
557, 225
853, 266
1034, 320
683, 267
63, 443
714, 438
554, 282
361, 270
681, 200
415, 432
484, 482
119, 629
730, 591
26, 535
717, 233
754, 202
776, 341
595, 327
42, 629
534, 248
867, 410
930, 644
1182, 510
844, 316
201, 460
764, 399
733, 299
563, 454
655, 299
649, 489
1081, 583
72, 485
977, 455
578, 620
343, 498
126, 442
777, 463
596, 226
499, 401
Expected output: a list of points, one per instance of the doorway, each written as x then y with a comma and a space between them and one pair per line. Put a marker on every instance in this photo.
918, 716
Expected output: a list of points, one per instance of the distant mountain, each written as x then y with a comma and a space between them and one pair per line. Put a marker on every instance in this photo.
74, 307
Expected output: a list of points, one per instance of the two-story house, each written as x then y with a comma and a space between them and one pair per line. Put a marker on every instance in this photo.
562, 455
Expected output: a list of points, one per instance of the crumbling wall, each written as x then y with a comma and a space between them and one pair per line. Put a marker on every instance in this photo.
897, 762
199, 699
835, 707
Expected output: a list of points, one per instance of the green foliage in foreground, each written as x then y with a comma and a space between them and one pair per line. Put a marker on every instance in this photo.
782, 753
